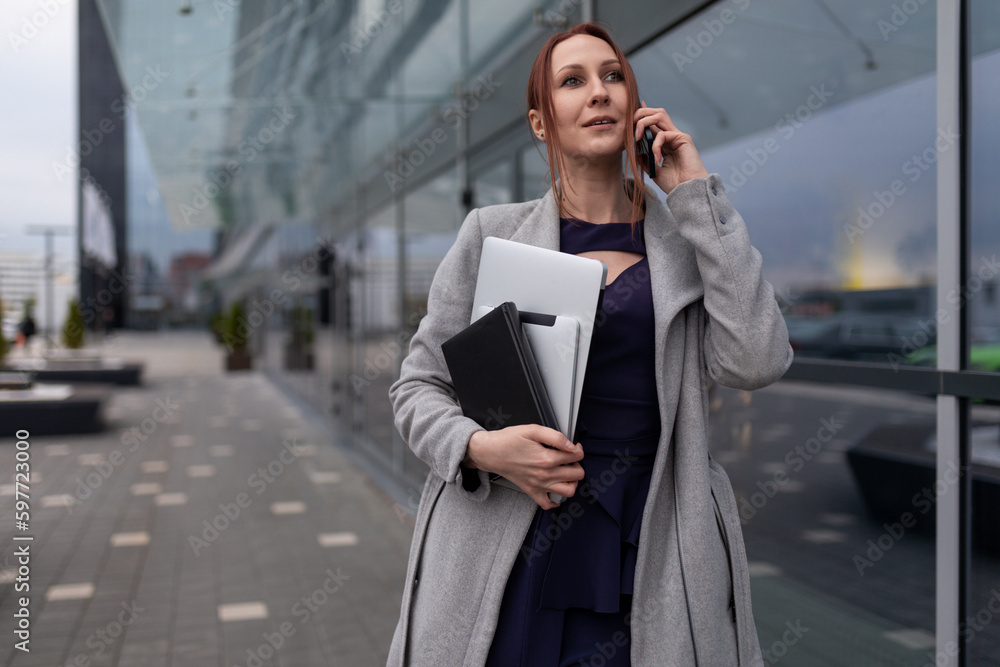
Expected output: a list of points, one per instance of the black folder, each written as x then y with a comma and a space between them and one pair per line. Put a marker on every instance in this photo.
494, 373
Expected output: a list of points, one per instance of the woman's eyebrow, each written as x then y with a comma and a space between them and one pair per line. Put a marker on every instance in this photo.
612, 61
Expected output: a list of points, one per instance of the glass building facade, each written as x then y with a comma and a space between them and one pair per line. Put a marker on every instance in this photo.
334, 149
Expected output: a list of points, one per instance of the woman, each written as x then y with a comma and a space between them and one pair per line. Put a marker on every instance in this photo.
644, 563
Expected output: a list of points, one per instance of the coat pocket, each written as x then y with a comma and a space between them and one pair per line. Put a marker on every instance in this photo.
464, 557
724, 536
728, 518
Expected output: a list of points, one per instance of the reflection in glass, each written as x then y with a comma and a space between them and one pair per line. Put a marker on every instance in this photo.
534, 172
376, 332
983, 284
982, 615
830, 161
836, 488
494, 186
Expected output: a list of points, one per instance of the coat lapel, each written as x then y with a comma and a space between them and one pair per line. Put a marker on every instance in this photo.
676, 281
541, 227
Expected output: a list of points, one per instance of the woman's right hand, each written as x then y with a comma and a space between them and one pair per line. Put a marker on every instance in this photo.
538, 459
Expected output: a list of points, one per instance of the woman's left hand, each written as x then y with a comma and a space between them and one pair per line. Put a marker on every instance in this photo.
680, 159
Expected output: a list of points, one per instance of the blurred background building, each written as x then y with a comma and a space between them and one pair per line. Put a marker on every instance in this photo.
23, 284
313, 160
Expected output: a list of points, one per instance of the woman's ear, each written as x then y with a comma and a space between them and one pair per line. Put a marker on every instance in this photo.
537, 127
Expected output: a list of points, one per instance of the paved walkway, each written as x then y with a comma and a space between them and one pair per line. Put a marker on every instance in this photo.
211, 523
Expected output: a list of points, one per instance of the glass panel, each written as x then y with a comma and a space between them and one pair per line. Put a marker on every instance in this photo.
820, 118
495, 186
433, 216
534, 172
375, 303
493, 24
984, 199
835, 487
165, 263
981, 625
982, 621
339, 356
431, 71
823, 131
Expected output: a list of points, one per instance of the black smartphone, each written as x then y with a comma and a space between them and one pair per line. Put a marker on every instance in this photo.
645, 149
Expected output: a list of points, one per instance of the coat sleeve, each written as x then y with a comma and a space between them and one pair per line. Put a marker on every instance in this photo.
746, 342
426, 410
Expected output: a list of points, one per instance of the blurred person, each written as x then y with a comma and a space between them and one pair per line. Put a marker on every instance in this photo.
644, 562
108, 320
26, 330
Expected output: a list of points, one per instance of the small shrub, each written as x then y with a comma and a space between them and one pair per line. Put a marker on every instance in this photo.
72, 332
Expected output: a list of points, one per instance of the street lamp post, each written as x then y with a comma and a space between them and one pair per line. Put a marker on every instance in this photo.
49, 231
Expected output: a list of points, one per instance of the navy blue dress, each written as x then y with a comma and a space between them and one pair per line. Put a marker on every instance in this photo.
569, 593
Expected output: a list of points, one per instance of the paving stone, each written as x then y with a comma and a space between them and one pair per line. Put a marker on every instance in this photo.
256, 557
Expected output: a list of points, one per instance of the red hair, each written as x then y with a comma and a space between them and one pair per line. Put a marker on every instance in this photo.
539, 97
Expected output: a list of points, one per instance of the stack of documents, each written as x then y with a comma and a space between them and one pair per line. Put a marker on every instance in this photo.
558, 296
555, 297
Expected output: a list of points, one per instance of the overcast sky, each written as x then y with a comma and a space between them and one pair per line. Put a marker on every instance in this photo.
37, 67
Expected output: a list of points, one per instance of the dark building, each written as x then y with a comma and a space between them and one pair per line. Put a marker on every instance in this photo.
101, 154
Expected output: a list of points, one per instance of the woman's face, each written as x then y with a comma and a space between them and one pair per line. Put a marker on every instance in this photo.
589, 98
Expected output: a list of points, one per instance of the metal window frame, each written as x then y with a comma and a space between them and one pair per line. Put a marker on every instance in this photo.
953, 533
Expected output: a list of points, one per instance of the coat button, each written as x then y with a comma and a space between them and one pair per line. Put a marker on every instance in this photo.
714, 191
722, 219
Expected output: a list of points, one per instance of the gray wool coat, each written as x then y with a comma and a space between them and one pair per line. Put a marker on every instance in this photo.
715, 318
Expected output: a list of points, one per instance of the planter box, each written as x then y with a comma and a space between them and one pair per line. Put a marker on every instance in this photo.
80, 370
239, 360
896, 474
297, 359
53, 409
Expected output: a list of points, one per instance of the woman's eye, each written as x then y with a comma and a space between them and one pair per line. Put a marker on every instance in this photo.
615, 76
571, 80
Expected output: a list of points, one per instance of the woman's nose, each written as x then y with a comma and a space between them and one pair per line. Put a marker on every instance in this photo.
599, 95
